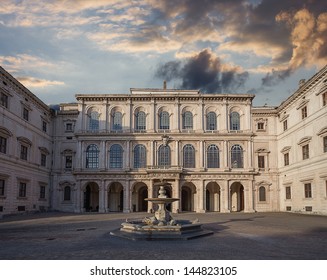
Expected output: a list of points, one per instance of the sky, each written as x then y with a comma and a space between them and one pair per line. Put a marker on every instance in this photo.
65, 47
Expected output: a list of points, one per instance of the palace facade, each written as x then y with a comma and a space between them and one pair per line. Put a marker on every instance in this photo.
105, 152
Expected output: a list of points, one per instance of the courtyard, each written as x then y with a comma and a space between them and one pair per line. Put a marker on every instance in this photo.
241, 236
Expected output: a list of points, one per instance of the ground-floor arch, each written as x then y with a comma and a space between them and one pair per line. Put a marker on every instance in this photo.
91, 197
188, 191
139, 194
213, 197
236, 197
115, 197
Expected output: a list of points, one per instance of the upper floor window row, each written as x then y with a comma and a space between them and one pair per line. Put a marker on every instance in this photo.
164, 121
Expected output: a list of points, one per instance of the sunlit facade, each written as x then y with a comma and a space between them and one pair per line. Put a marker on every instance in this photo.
219, 153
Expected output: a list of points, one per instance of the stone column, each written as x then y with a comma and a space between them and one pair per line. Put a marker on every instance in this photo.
225, 155
152, 162
224, 196
101, 198
105, 194
127, 198
201, 197
248, 197
79, 155
176, 194
102, 156
127, 155
150, 195
177, 153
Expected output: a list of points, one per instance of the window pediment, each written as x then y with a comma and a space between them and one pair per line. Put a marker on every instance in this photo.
304, 140
285, 149
284, 117
24, 140
322, 131
5, 132
44, 150
302, 104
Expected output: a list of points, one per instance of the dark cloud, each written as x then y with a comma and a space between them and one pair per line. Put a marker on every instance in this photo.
275, 77
203, 71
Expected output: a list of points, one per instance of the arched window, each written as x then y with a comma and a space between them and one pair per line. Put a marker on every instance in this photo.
164, 156
189, 156
212, 157
187, 120
116, 156
140, 119
164, 120
117, 121
92, 156
211, 121
236, 156
234, 121
262, 194
139, 156
94, 121
67, 193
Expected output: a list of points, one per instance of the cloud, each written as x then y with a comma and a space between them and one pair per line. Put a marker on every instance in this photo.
204, 71
32, 82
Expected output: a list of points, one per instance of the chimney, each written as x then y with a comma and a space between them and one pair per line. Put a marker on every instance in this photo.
164, 85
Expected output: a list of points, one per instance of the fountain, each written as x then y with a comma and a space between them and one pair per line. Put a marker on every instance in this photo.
162, 225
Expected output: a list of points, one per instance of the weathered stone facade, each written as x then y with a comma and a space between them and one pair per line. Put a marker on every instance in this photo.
218, 151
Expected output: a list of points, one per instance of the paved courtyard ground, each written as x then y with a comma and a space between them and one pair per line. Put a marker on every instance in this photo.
53, 236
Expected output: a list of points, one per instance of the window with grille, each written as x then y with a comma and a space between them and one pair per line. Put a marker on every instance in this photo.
324, 98
22, 189
237, 156
305, 151
286, 159
261, 126
307, 190
118, 121
187, 120
139, 156
189, 156
42, 192
68, 162
140, 121
285, 125
116, 156
261, 162
212, 157
25, 114
164, 156
211, 121
304, 112
325, 144
164, 120
4, 99
94, 121
234, 121
43, 160
23, 152
92, 156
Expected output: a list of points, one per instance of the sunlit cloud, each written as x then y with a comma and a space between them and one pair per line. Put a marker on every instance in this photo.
32, 82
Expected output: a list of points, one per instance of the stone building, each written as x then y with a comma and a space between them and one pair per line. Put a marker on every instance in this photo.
105, 152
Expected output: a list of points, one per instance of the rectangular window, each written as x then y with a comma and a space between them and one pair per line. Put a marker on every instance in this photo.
288, 193
25, 114
305, 151
4, 100
43, 159
69, 127
42, 192
3, 145
2, 187
304, 112
307, 190
23, 152
288, 208
285, 125
44, 126
1, 208
69, 162
325, 144
324, 98
21, 208
22, 189
261, 162
286, 159
261, 126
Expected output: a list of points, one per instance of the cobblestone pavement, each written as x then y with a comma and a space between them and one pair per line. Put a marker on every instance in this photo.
240, 236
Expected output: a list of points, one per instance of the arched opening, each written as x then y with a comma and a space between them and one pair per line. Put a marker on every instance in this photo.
187, 197
91, 197
116, 197
213, 197
140, 192
236, 197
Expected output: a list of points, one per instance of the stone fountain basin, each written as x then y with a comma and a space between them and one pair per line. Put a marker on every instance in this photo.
183, 230
161, 200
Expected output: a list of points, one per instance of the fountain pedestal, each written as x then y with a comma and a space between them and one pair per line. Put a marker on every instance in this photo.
161, 225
